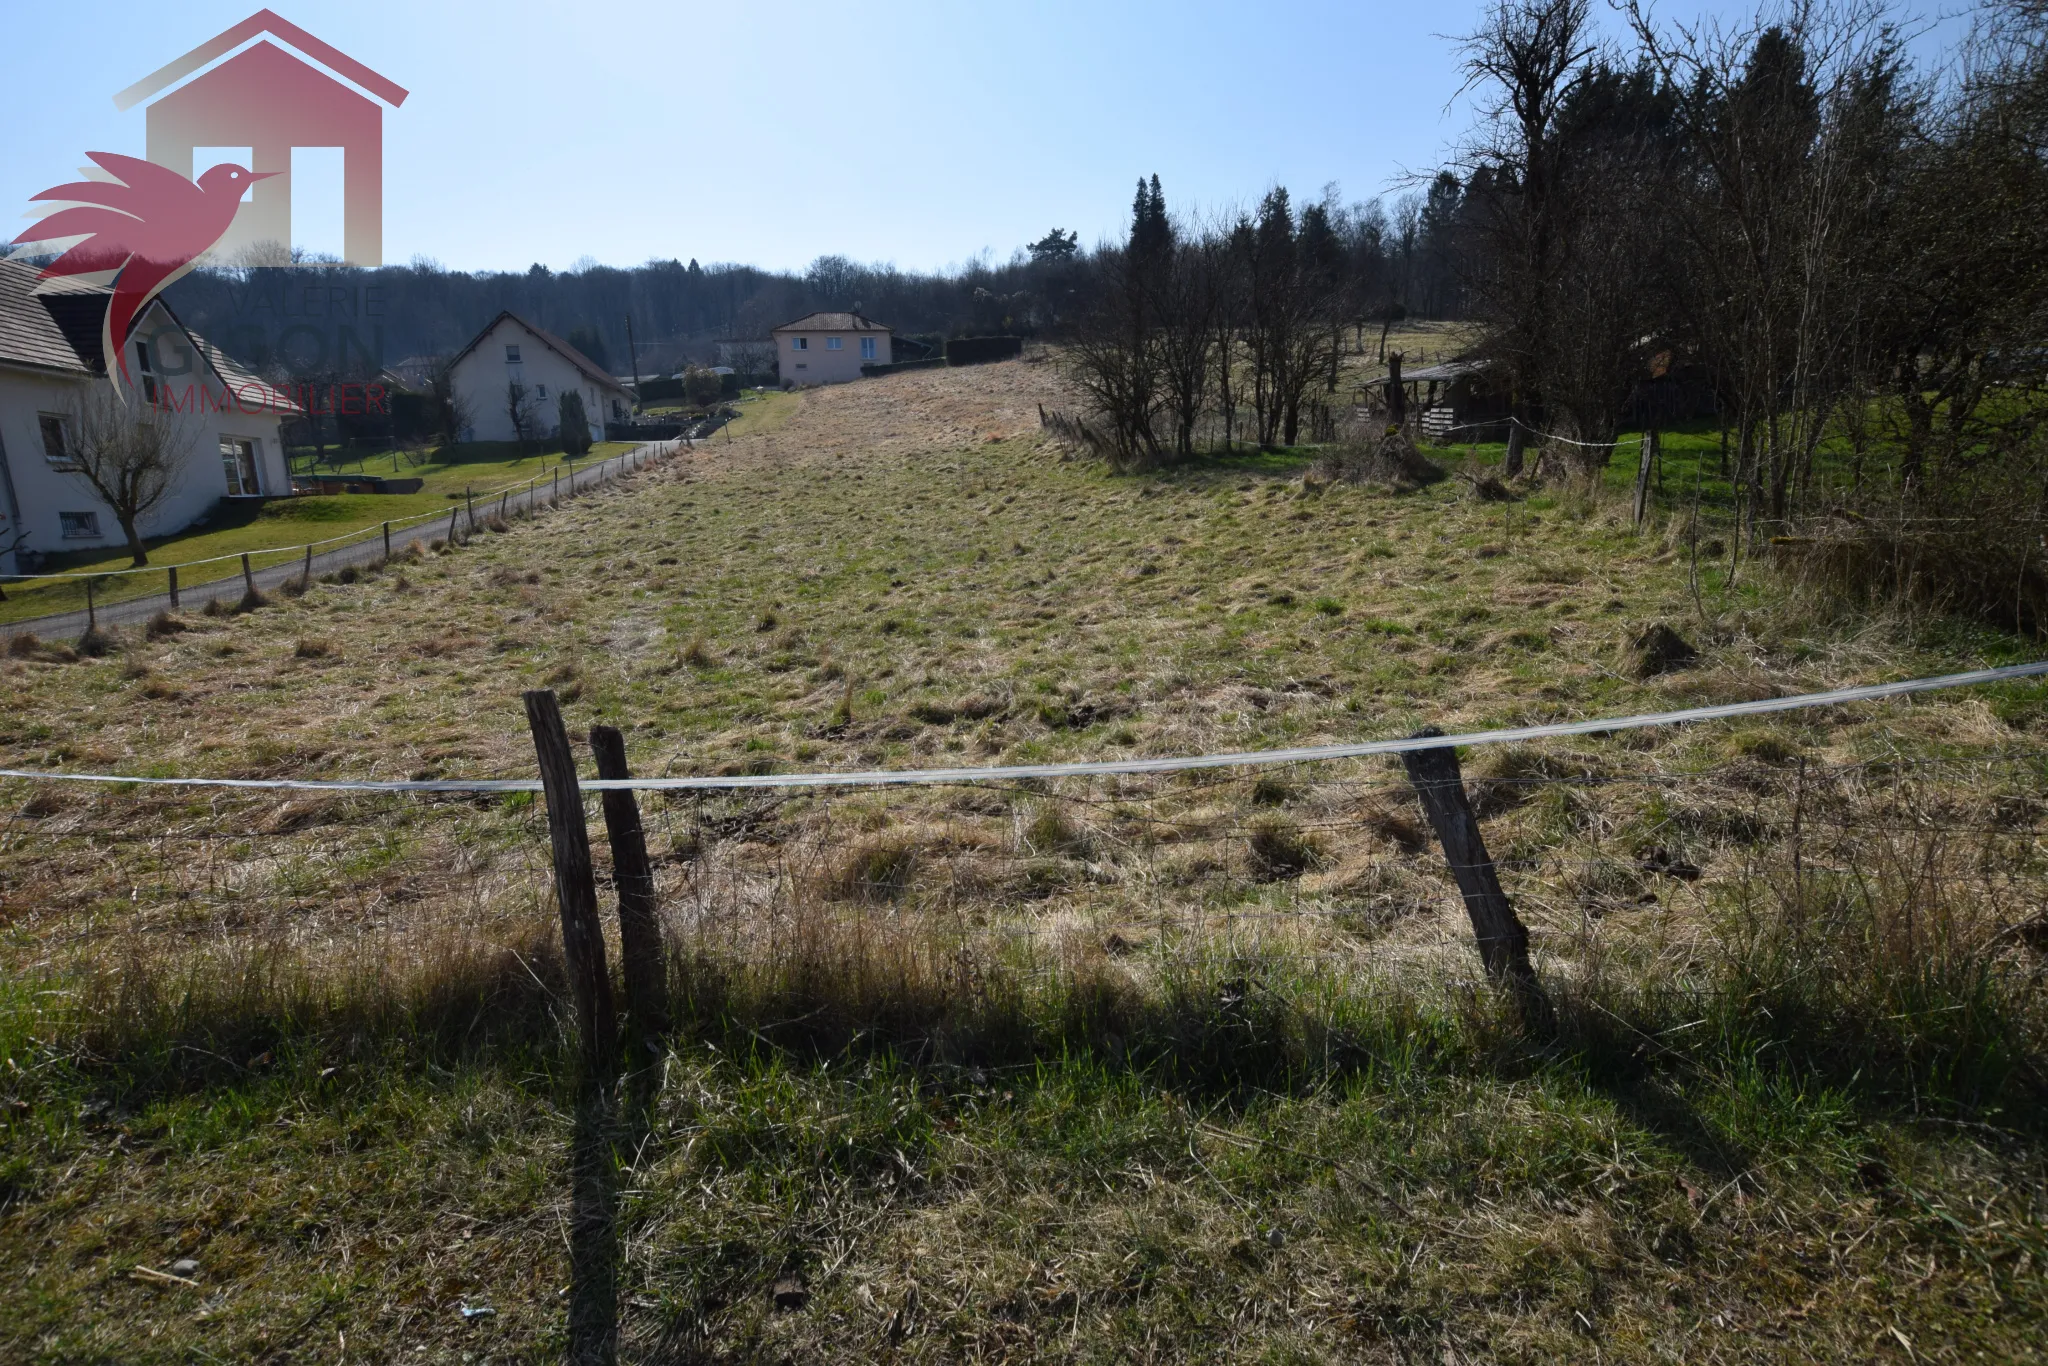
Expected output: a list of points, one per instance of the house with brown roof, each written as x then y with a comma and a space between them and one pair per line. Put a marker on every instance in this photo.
511, 377
225, 422
829, 348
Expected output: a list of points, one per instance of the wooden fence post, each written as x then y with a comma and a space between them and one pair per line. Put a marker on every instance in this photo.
387, 540
1643, 461
640, 949
306, 574
575, 884
248, 578
469, 502
92, 620
1503, 941
452, 513
174, 587
555, 496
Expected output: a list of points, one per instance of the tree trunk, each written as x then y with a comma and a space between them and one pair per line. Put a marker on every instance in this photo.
137, 554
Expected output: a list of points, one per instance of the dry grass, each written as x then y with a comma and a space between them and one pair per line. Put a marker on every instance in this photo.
1193, 1066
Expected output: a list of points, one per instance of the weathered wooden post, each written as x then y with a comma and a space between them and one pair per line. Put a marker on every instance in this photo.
248, 579
1503, 941
593, 1164
575, 885
306, 574
640, 949
469, 502
387, 541
452, 513
1644, 459
92, 621
174, 587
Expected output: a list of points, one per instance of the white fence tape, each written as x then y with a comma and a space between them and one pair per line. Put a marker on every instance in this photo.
1871, 692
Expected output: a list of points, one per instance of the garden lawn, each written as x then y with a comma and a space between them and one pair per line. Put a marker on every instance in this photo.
278, 529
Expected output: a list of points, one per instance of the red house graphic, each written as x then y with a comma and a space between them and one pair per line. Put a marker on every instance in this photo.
270, 99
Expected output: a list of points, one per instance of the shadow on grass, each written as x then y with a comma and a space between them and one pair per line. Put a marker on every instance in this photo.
1226, 1027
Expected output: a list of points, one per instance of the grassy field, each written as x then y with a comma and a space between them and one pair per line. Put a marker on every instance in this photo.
1139, 1069
289, 522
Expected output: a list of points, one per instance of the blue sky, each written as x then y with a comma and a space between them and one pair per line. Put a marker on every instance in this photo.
917, 133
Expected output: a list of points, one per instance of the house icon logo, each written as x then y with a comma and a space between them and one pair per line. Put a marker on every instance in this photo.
267, 87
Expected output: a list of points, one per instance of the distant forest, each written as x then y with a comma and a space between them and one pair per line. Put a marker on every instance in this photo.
311, 321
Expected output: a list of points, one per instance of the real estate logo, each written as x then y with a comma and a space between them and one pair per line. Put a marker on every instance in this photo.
249, 100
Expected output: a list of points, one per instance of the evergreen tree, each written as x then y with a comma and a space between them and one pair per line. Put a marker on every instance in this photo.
575, 424
1151, 233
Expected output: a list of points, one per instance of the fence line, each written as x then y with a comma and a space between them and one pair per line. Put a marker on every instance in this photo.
1869, 692
590, 473
354, 548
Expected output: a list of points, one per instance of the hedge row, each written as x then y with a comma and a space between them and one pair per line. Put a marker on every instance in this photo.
873, 368
976, 350
657, 390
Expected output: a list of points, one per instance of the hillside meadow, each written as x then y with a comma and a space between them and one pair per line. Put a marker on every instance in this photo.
1152, 1068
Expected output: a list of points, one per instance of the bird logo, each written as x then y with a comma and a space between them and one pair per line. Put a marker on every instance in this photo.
149, 225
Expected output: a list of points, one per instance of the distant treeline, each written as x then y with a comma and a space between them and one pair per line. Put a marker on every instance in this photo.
324, 321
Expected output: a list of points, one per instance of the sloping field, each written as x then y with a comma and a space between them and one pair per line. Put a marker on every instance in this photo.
1138, 1068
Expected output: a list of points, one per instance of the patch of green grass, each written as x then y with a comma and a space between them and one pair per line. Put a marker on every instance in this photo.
259, 528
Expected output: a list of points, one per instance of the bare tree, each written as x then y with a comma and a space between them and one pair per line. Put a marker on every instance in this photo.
522, 406
1525, 61
131, 455
1190, 299
1777, 193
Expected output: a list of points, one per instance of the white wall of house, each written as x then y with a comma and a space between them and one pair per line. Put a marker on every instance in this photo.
828, 357
484, 376
59, 512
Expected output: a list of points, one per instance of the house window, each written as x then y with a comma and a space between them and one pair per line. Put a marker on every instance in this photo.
543, 389
511, 354
78, 525
835, 343
799, 343
148, 379
867, 348
238, 462
56, 439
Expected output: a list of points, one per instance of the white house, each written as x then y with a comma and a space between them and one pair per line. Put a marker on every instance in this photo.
830, 348
225, 421
514, 362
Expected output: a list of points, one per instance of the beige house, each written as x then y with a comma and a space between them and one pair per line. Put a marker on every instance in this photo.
829, 348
